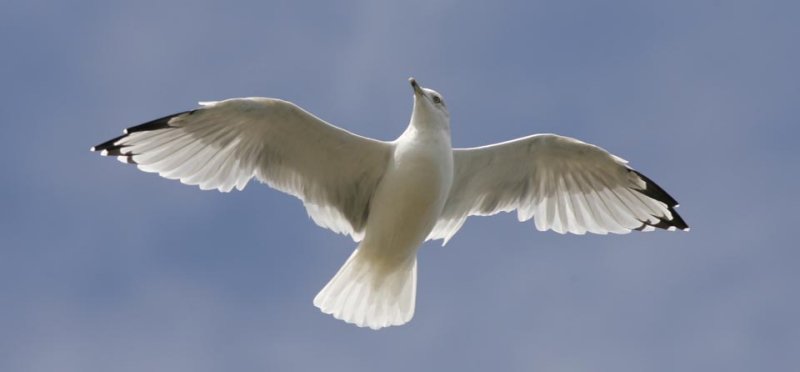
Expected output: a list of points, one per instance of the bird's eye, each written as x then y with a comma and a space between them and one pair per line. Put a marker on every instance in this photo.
437, 99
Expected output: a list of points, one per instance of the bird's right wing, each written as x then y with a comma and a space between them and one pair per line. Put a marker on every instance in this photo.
564, 184
224, 144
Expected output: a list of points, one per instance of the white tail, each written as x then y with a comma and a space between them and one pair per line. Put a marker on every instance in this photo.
370, 294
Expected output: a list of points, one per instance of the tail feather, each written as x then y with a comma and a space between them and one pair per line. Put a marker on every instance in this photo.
368, 294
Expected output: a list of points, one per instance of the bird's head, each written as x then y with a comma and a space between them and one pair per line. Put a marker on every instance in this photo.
429, 107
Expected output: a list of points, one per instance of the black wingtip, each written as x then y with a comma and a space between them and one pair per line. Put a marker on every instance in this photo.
676, 223
105, 146
160, 123
652, 190
111, 148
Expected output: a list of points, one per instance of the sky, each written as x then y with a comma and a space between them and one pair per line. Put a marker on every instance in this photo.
106, 268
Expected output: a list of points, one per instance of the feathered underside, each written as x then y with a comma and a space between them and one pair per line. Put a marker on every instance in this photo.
563, 184
224, 145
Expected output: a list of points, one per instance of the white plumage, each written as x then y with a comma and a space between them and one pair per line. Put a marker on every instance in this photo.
392, 196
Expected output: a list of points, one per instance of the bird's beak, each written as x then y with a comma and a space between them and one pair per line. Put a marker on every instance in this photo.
417, 88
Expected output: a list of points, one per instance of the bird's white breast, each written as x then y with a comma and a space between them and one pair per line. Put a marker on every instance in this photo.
411, 195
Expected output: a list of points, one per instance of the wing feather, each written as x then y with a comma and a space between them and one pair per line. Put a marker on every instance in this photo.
563, 184
223, 145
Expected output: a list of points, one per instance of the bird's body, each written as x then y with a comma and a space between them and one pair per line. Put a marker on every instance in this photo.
407, 202
411, 195
392, 196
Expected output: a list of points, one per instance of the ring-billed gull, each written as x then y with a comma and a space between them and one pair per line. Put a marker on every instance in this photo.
390, 197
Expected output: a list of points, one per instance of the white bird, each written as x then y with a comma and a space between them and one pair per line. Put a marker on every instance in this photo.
390, 197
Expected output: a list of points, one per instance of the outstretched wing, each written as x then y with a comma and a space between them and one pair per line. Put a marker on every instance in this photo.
224, 144
564, 184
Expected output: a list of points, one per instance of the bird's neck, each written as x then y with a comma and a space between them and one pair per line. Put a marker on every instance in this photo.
421, 132
426, 121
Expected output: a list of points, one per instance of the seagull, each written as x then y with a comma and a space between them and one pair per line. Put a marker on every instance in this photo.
391, 197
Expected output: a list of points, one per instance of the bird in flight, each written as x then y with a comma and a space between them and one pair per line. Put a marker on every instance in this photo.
390, 197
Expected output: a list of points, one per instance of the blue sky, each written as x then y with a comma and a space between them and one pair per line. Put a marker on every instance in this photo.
103, 267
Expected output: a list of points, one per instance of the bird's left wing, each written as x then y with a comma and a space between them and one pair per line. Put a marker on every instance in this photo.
224, 144
564, 184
